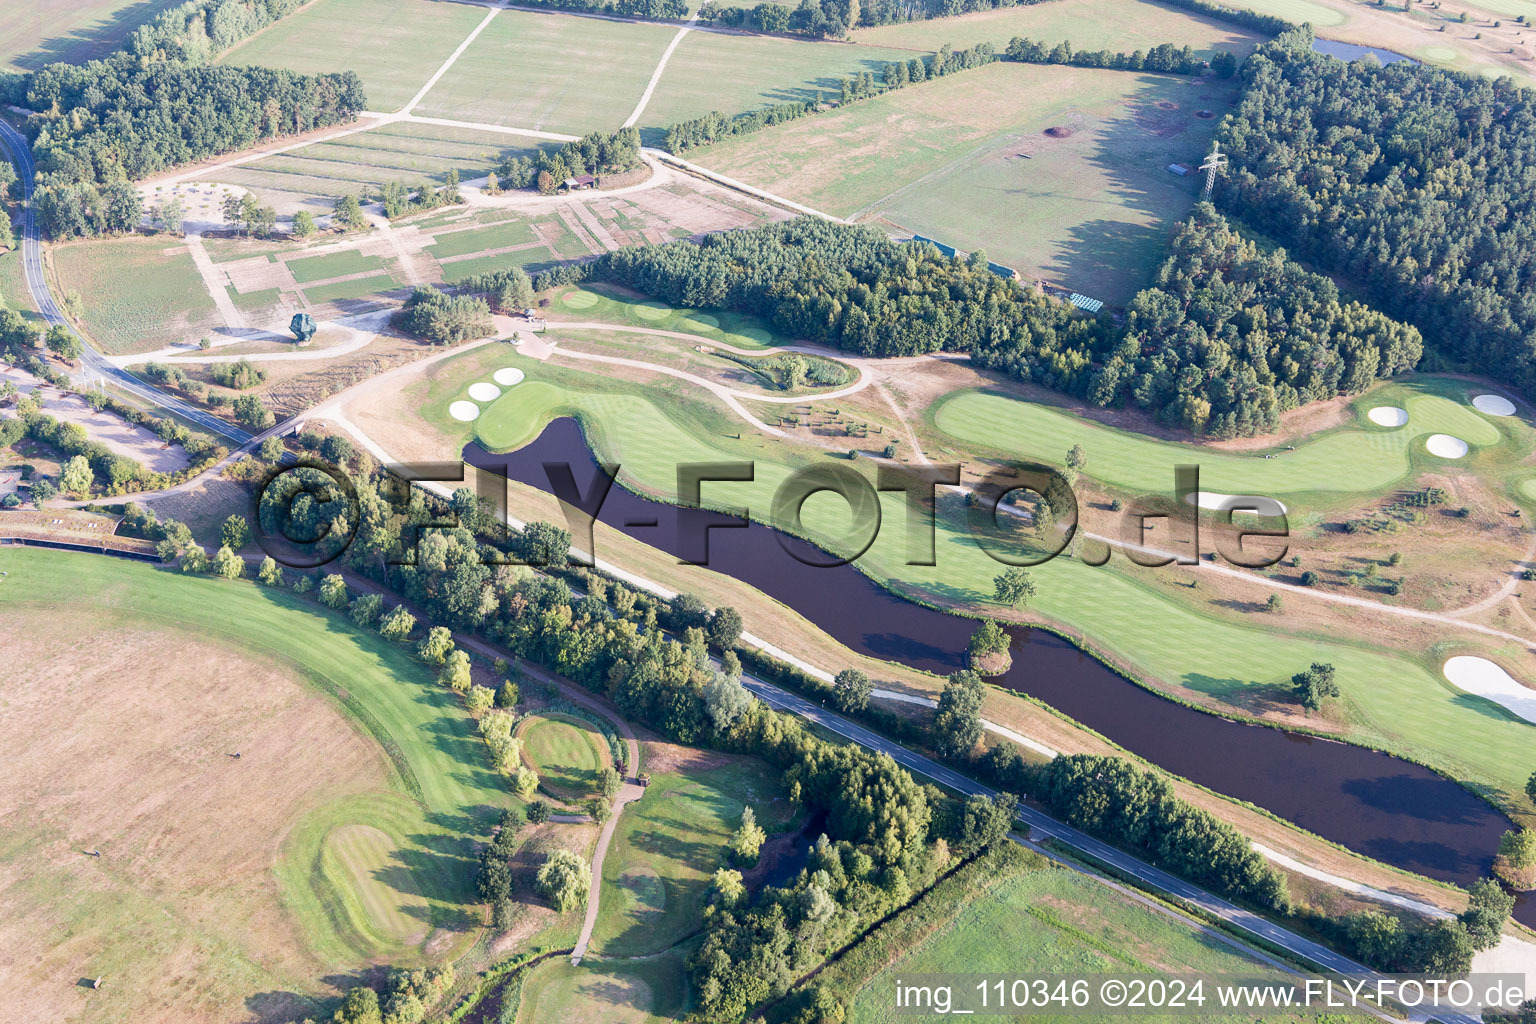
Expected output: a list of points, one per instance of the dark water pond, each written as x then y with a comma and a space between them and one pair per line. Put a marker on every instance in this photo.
1351, 51
1387, 808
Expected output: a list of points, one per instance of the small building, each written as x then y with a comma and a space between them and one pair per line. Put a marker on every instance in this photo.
1086, 303
1179, 169
10, 481
580, 182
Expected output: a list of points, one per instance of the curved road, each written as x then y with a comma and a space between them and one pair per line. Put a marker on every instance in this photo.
94, 362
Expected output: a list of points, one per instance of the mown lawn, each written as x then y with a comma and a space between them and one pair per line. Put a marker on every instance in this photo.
336, 264
567, 753
650, 991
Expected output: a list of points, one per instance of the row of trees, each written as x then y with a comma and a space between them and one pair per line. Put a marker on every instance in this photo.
1178, 60
835, 18
662, 9
199, 30
1410, 181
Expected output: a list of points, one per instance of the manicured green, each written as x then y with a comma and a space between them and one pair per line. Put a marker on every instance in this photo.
356, 289
393, 45
667, 847
336, 264
445, 795
1359, 459
567, 753
606, 304
651, 991
1119, 25
358, 861
550, 72
497, 236
138, 293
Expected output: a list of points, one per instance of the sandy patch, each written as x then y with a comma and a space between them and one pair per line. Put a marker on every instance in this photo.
117, 434
1485, 679
508, 376
1493, 405
1239, 502
484, 391
1446, 446
1388, 416
464, 411
1510, 956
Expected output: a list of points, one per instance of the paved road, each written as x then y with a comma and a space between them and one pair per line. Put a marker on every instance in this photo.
95, 363
1155, 878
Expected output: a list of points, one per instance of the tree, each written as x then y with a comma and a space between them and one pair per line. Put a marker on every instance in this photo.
43, 491
1273, 604
563, 879
1309, 578
62, 342
227, 564
436, 645
507, 694
597, 809
479, 699
989, 648
538, 811
1315, 685
492, 185
725, 628
726, 890
515, 292
1014, 587
235, 532
985, 822
76, 477
1530, 787
1486, 913
333, 592
251, 413
361, 1006
365, 610
1375, 938
455, 673
1516, 862
337, 449
726, 700
747, 841
608, 783
544, 544
303, 225
397, 624
957, 723
348, 213
1077, 457
851, 690
525, 781
269, 572
271, 448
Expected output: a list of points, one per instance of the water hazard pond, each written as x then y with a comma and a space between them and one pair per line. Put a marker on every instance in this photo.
1382, 806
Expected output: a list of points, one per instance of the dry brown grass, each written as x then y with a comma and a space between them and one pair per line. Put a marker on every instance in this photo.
117, 735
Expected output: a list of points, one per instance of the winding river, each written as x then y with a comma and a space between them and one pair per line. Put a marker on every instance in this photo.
1379, 805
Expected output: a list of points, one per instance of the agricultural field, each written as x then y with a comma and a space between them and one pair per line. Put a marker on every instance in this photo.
1058, 172
368, 854
39, 32
734, 73
550, 72
393, 45
668, 845
1116, 25
138, 294
361, 163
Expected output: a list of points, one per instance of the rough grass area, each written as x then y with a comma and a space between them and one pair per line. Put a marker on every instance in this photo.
427, 786
336, 264
611, 305
732, 73
965, 159
1117, 25
568, 754
668, 845
138, 293
649, 991
359, 288
38, 32
550, 72
393, 45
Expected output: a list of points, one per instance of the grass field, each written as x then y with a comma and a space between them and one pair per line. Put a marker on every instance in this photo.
668, 845
495, 236
344, 291
567, 753
1116, 25
139, 293
39, 32
1360, 459
730, 73
607, 304
337, 264
964, 159
648, 991
1393, 699
393, 45
550, 72
313, 176
346, 896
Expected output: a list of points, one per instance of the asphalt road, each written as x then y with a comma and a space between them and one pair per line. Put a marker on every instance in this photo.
37, 284
1153, 878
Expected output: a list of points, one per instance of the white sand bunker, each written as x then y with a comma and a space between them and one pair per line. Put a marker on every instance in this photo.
1485, 679
464, 411
1446, 446
1388, 416
508, 376
1240, 502
1493, 405
484, 391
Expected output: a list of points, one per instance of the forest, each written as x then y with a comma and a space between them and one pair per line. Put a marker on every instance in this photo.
1411, 183
1226, 340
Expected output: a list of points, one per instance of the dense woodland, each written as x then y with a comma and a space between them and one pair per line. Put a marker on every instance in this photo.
1412, 183
1227, 339
834, 18
199, 30
670, 9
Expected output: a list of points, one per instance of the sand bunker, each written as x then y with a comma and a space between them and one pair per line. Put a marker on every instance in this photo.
1222, 502
1494, 405
1485, 679
484, 391
1388, 416
508, 376
464, 411
1446, 446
